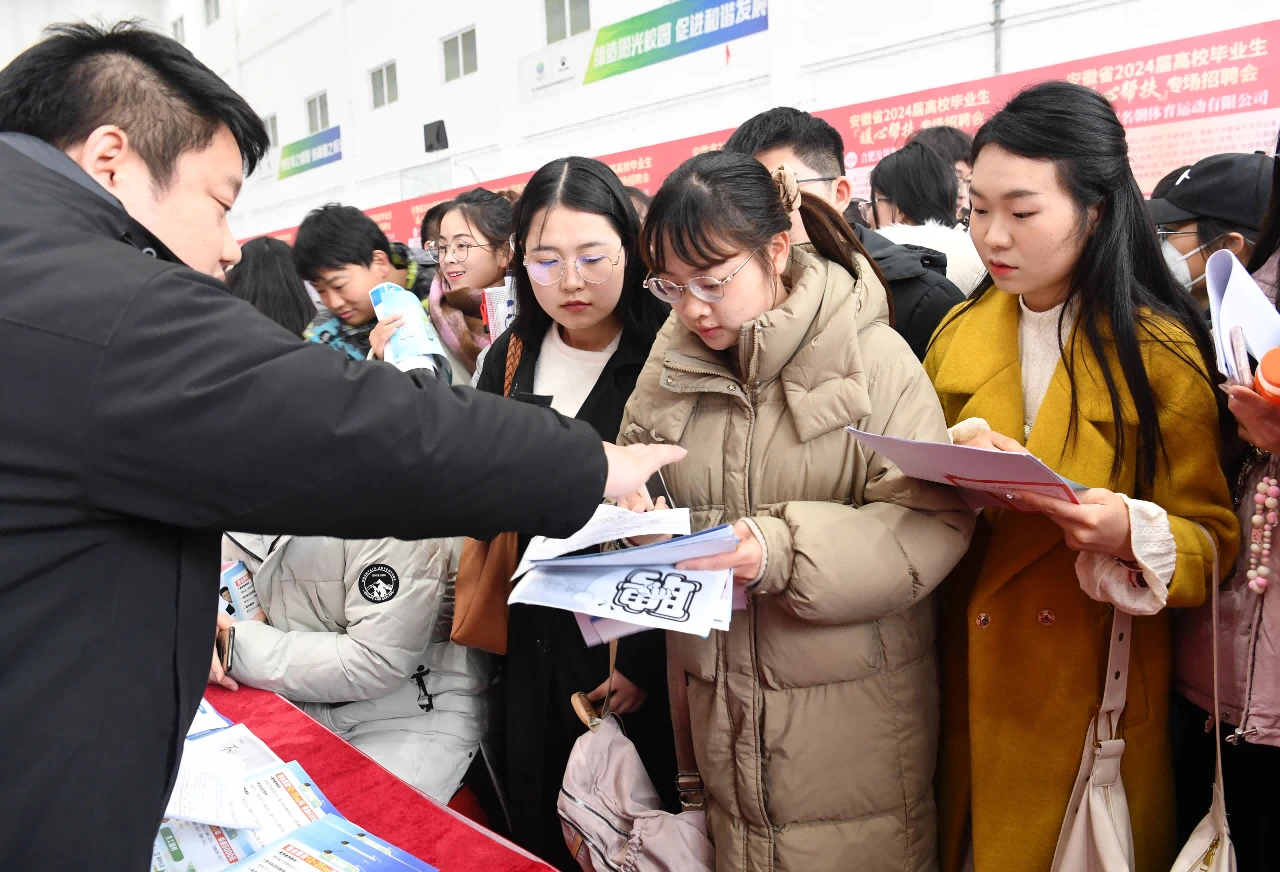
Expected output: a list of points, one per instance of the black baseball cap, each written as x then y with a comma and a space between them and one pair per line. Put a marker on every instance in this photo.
1229, 187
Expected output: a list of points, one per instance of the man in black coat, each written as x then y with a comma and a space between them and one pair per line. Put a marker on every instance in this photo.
922, 294
143, 410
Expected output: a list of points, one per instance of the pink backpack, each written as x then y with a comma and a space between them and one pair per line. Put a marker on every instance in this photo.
609, 811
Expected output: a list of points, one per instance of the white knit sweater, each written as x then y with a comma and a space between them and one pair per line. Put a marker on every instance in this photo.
1101, 577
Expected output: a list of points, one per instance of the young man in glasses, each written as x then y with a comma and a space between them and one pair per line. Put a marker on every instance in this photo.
814, 150
344, 254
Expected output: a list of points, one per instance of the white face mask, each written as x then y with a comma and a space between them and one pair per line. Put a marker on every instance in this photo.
1177, 262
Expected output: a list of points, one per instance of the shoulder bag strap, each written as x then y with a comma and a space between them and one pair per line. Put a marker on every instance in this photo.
688, 781
515, 350
1219, 807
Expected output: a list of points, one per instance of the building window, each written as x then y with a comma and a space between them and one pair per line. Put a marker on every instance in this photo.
318, 113
385, 89
212, 11
567, 18
272, 133
180, 29
460, 55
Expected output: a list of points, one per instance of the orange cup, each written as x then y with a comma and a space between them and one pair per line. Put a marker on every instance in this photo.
1266, 381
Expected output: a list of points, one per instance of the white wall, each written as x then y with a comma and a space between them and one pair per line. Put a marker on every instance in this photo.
23, 20
816, 54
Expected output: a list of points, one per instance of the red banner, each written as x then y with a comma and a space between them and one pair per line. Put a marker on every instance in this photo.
1180, 101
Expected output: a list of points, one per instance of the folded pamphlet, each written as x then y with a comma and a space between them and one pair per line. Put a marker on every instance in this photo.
415, 344
1236, 300
985, 477
332, 844
499, 308
237, 597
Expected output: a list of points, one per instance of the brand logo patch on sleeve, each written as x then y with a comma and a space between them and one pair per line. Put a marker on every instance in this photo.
379, 583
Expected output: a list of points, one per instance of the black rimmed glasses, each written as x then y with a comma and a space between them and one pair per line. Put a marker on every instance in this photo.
708, 289
594, 269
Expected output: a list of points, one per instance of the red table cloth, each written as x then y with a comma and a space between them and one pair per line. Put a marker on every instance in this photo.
367, 794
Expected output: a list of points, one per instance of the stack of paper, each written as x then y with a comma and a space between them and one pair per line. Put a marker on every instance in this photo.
277, 800
638, 586
1235, 300
273, 818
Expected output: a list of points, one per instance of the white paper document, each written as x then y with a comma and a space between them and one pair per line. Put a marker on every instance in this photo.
608, 524
706, 543
210, 788
987, 478
238, 741
1235, 300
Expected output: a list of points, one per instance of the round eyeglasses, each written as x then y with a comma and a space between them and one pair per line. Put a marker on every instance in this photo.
594, 269
708, 289
460, 250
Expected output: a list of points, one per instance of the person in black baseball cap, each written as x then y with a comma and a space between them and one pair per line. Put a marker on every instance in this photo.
1217, 203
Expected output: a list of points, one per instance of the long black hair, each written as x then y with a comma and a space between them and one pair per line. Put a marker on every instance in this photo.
720, 202
584, 184
1121, 283
266, 277
920, 182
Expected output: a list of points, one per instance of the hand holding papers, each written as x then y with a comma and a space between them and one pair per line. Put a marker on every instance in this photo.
986, 478
1236, 301
638, 586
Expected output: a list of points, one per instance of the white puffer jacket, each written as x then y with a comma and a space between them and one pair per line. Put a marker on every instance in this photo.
357, 633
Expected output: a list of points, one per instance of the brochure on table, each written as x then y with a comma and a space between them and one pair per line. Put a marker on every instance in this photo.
639, 586
274, 817
985, 477
332, 844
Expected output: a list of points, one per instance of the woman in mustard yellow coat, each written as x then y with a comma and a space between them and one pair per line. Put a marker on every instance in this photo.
1081, 349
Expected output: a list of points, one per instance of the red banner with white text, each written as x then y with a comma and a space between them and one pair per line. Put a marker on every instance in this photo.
1180, 101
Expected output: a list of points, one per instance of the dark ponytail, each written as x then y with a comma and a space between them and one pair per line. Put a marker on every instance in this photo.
719, 203
834, 239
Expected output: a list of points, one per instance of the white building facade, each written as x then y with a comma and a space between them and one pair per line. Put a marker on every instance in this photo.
511, 79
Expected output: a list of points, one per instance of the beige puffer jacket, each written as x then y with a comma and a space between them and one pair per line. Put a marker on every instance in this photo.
815, 718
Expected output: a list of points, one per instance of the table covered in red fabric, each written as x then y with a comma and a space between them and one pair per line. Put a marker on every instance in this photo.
367, 794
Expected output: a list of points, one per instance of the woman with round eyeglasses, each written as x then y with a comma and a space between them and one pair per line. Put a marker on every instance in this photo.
814, 716
584, 325
473, 254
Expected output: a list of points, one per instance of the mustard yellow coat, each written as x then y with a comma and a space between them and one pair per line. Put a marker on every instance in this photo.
1022, 648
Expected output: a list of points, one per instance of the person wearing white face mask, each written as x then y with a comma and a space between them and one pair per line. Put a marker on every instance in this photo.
1217, 203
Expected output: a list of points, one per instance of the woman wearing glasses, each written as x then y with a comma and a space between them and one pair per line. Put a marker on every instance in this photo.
584, 327
815, 715
473, 254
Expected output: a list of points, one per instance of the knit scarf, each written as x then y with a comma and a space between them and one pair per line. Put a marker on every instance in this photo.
457, 317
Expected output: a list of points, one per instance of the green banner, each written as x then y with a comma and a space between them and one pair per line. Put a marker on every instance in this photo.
671, 31
314, 151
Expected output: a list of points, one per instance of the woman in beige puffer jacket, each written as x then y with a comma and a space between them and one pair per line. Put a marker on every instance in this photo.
815, 717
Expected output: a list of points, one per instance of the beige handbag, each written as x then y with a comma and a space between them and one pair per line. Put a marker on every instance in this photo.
609, 810
1096, 834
